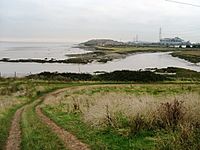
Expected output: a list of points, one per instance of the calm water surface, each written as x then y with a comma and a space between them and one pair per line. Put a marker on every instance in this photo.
26, 50
58, 51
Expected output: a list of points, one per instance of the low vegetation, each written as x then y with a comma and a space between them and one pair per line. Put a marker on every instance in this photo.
130, 117
137, 76
65, 61
35, 134
169, 74
15, 93
179, 74
104, 54
98, 54
189, 55
107, 110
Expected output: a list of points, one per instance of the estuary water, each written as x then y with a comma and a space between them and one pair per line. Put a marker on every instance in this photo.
26, 50
59, 50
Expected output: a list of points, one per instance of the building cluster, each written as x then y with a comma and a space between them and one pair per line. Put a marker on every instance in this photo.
174, 42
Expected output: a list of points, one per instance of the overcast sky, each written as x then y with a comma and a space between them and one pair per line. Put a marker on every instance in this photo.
80, 20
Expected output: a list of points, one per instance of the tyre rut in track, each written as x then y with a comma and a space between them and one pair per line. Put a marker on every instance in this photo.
14, 138
70, 141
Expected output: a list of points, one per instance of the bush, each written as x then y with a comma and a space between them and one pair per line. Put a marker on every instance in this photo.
137, 76
125, 75
187, 138
137, 124
62, 76
9, 89
171, 114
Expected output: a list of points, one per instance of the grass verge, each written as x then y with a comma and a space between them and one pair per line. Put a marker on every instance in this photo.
129, 117
36, 135
5, 123
191, 56
99, 139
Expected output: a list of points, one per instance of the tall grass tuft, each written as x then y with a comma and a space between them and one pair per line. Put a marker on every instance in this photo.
175, 118
171, 114
134, 113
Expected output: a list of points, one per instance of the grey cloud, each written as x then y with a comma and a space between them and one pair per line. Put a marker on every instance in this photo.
78, 20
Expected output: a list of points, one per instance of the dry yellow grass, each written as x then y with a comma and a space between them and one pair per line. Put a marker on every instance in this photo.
95, 108
12, 95
130, 106
7, 102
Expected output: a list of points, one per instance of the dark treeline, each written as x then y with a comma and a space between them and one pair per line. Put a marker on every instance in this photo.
196, 46
143, 76
138, 76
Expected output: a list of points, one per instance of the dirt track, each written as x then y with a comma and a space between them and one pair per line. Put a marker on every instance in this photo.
70, 141
14, 139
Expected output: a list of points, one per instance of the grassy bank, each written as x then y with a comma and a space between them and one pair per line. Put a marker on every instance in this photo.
106, 115
99, 54
170, 74
97, 139
42, 61
36, 135
15, 93
129, 116
104, 54
191, 55
135, 49
5, 123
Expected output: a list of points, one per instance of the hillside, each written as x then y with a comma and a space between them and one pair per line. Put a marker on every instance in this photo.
102, 42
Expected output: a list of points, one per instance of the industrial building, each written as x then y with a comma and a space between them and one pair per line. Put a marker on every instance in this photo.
174, 41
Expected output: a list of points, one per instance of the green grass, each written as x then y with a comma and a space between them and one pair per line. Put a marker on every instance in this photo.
99, 139
116, 138
127, 49
139, 89
104, 54
6, 119
35, 134
189, 55
5, 123
31, 94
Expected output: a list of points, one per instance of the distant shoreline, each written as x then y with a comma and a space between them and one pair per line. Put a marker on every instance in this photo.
98, 51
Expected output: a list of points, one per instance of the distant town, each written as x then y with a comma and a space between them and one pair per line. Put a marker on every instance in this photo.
169, 42
166, 42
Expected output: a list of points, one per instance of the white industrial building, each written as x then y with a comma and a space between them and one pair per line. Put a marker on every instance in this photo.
174, 41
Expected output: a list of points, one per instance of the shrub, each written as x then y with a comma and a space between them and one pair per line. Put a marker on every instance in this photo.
187, 138
125, 75
171, 114
138, 76
9, 89
137, 124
